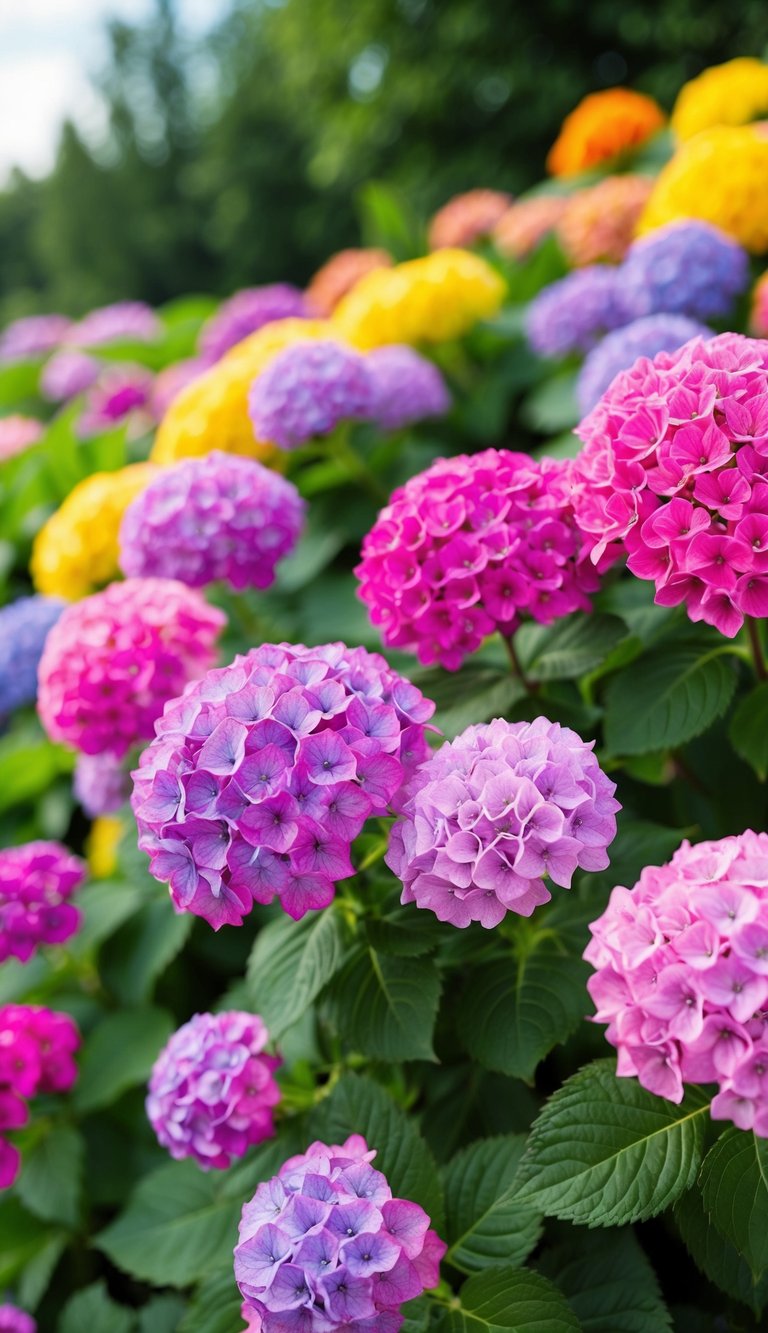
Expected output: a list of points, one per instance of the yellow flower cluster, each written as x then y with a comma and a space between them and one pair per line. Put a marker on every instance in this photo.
212, 412
428, 300
731, 94
77, 550
719, 176
102, 844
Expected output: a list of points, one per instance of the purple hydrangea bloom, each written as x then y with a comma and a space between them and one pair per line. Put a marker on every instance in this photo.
245, 313
263, 773
132, 320
37, 879
119, 391
572, 314
14, 1320
496, 812
68, 373
687, 268
324, 1245
306, 390
217, 517
622, 348
101, 783
24, 627
212, 1090
32, 336
406, 387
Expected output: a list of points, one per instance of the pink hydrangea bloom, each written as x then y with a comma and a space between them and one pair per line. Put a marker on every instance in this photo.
473, 545
68, 373
14, 1320
32, 336
252, 1318
263, 773
101, 783
212, 1090
681, 976
118, 393
112, 661
37, 1047
18, 433
675, 472
324, 1245
37, 881
495, 813
129, 320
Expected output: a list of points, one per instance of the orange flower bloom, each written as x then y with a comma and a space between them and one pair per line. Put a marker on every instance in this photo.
526, 223
467, 217
603, 127
598, 224
339, 275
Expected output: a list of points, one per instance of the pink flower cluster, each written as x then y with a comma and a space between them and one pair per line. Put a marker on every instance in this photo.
324, 1245
262, 775
471, 546
681, 976
212, 1089
675, 472
14, 1320
112, 661
36, 1056
17, 434
117, 393
496, 812
37, 881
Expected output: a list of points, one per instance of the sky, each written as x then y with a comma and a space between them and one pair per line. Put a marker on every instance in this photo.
48, 49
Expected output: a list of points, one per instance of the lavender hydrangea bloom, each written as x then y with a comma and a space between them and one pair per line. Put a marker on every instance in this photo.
101, 783
496, 812
217, 517
324, 1245
406, 387
307, 390
32, 336
68, 373
212, 1091
622, 348
245, 313
263, 773
686, 268
24, 627
14, 1320
112, 323
572, 314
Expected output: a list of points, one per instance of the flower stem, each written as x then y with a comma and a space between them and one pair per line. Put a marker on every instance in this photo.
347, 455
509, 643
757, 648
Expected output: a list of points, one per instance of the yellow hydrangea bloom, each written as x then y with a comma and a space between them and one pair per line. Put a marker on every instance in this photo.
731, 94
101, 845
720, 176
212, 412
77, 550
425, 300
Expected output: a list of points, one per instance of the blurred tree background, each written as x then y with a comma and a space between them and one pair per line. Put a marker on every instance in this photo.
241, 159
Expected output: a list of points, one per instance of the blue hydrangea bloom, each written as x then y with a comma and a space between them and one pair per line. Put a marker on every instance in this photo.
619, 350
571, 315
688, 268
24, 626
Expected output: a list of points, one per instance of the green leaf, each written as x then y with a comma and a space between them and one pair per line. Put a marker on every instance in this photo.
35, 1277
405, 931
485, 1226
748, 731
734, 1186
417, 1315
569, 648
717, 1259
143, 948
50, 1182
552, 406
290, 964
162, 1315
22, 1239
666, 698
29, 764
605, 1152
92, 1309
503, 1300
611, 1286
385, 1006
357, 1105
105, 905
215, 1308
639, 843
474, 694
119, 1054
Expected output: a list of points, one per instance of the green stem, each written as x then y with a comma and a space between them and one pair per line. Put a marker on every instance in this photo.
757, 649
530, 686
347, 455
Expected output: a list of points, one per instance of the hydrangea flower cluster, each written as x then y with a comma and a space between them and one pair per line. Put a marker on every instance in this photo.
17, 434
14, 1320
246, 312
101, 783
525, 225
68, 373
571, 315
130, 320
24, 627
406, 387
467, 218
675, 471
597, 224
36, 1056
37, 881
686, 268
212, 1090
338, 276
470, 546
603, 127
169, 383
307, 390
262, 775
113, 660
324, 1245
495, 813
32, 336
619, 350
733, 93
681, 976
217, 517
118, 392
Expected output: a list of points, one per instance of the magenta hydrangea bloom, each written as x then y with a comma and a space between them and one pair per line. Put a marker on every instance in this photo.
129, 320
572, 314
68, 373
495, 813
245, 313
112, 661
621, 349
675, 472
217, 517
681, 976
306, 390
262, 775
17, 434
37, 1049
37, 881
119, 391
32, 336
406, 387
14, 1320
324, 1245
470, 546
212, 1090
101, 783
